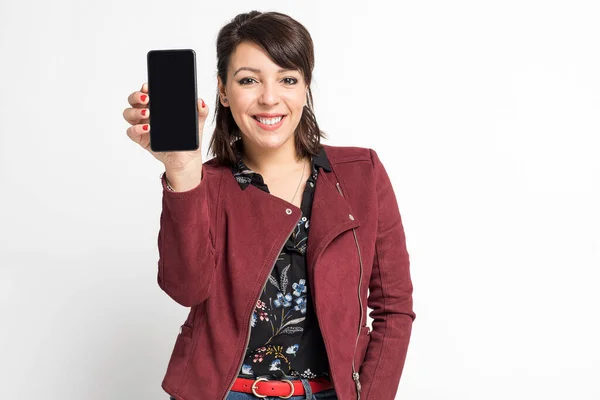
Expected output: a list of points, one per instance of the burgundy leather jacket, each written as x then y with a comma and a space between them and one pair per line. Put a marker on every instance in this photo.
218, 243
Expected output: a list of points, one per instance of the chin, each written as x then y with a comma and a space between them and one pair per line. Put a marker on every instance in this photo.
272, 139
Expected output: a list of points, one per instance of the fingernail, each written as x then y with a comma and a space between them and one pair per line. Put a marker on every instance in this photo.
203, 105
145, 127
144, 112
143, 97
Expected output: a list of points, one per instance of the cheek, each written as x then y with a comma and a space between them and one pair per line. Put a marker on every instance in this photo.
296, 101
241, 102
238, 105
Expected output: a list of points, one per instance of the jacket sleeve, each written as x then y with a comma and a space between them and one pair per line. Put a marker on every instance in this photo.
390, 296
186, 264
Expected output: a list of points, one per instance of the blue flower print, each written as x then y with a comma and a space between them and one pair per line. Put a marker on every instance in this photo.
292, 349
301, 304
274, 366
281, 299
300, 287
247, 370
253, 322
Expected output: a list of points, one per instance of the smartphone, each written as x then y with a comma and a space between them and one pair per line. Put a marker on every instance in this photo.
173, 100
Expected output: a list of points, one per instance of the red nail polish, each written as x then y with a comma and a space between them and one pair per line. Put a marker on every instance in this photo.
203, 105
144, 112
145, 127
143, 97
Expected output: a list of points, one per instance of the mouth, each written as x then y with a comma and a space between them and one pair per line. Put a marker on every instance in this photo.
269, 122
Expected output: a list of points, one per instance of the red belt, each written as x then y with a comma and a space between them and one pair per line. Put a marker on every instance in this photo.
262, 387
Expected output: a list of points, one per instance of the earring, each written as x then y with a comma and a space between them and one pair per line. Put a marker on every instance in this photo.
225, 99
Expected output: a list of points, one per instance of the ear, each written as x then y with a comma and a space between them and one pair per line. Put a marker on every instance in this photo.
222, 93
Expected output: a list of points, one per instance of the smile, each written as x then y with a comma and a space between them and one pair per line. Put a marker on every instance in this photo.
269, 123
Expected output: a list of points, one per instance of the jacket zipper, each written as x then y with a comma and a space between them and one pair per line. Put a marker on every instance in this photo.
355, 375
250, 320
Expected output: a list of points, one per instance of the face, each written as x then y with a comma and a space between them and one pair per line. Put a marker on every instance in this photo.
266, 101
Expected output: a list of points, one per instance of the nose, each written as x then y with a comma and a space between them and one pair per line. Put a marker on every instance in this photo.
269, 94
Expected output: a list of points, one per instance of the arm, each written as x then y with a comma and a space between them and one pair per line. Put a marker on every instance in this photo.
390, 296
186, 254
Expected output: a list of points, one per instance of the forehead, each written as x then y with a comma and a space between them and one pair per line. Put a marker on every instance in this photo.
248, 54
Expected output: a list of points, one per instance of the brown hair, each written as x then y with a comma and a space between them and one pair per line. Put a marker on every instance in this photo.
289, 45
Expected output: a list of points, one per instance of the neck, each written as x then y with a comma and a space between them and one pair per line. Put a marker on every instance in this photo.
272, 161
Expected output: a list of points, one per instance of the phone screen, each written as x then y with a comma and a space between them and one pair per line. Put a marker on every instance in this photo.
173, 102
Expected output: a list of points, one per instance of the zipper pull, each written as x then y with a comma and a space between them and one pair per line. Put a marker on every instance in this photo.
355, 376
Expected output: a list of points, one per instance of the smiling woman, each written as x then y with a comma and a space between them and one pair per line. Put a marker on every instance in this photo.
279, 242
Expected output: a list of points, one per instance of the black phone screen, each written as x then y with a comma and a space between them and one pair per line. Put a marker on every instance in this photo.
172, 100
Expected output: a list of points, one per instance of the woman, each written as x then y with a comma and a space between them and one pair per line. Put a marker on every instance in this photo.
275, 242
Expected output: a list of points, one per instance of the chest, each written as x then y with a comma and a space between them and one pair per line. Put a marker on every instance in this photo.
289, 189
292, 192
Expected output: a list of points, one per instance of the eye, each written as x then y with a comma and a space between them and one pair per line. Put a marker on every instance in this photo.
290, 81
246, 81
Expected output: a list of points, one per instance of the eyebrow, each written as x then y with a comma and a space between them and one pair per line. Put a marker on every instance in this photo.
257, 71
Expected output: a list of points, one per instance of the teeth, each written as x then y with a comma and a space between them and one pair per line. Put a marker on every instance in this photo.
269, 121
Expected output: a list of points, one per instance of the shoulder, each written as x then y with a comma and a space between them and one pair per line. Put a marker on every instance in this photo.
347, 154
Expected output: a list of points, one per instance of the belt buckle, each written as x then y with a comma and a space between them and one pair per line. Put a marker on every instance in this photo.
254, 387
291, 386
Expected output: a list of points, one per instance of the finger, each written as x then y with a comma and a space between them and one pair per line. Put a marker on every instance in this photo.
145, 87
202, 111
138, 99
139, 134
136, 115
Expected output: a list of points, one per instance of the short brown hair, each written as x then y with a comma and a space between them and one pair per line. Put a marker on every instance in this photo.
289, 45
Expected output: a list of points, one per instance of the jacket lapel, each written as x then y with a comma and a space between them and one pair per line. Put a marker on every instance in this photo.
330, 216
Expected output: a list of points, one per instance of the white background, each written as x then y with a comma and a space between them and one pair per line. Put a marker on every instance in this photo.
485, 114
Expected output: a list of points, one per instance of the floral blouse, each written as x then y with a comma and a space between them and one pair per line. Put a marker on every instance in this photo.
285, 337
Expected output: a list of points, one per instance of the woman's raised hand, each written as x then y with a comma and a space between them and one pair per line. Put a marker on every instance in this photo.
181, 166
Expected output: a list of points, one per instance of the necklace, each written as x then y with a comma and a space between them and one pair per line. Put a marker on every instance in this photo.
302, 177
